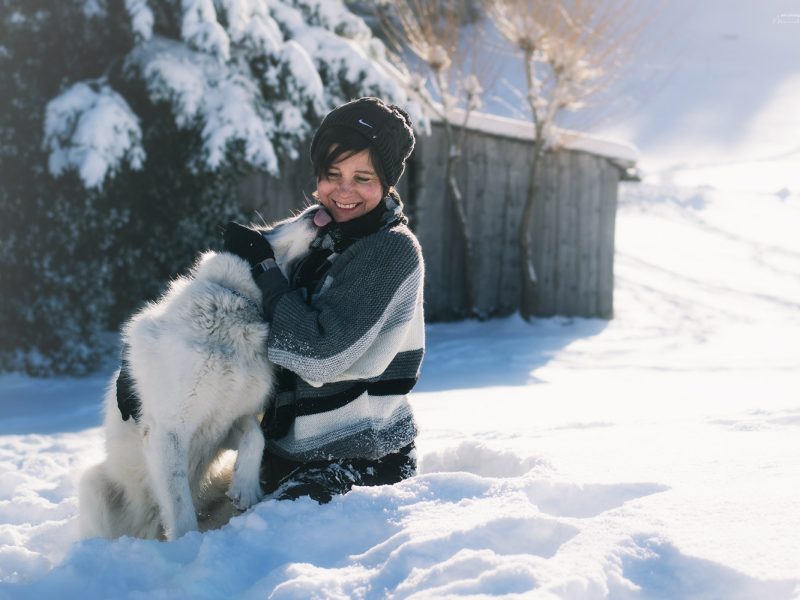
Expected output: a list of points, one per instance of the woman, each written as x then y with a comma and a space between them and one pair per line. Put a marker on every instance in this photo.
348, 327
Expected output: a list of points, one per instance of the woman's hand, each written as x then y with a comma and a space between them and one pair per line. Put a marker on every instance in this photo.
247, 243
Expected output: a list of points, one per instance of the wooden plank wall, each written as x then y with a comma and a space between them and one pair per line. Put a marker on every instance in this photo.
572, 230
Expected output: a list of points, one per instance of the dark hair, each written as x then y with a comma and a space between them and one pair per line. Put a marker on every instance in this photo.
347, 142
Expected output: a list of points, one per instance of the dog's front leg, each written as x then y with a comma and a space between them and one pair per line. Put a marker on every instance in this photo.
245, 490
167, 464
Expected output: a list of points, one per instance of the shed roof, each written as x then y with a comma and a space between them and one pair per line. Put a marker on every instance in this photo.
624, 154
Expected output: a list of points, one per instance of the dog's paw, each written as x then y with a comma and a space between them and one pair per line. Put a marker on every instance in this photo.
245, 496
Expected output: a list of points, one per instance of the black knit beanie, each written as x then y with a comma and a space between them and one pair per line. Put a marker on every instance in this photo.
386, 127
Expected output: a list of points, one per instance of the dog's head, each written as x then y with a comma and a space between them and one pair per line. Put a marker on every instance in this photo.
291, 238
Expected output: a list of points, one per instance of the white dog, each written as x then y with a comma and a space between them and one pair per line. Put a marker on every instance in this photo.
198, 362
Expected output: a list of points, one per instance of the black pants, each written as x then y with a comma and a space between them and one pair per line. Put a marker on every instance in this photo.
285, 479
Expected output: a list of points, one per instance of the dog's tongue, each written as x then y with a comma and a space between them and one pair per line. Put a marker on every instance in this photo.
322, 218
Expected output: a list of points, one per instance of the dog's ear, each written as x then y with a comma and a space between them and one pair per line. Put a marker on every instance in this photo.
291, 239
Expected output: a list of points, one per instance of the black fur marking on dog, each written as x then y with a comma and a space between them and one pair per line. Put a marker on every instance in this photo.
127, 401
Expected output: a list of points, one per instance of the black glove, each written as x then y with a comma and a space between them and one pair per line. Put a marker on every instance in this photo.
247, 243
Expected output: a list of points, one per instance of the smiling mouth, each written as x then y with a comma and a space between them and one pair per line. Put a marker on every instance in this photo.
345, 206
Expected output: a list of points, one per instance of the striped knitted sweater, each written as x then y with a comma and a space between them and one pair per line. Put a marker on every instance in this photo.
356, 349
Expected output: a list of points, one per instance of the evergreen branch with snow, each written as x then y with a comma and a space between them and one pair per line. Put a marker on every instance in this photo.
253, 78
130, 127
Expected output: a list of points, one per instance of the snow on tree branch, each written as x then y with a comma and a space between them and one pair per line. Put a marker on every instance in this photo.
201, 31
333, 16
235, 111
250, 24
175, 74
92, 130
141, 18
253, 78
352, 60
305, 83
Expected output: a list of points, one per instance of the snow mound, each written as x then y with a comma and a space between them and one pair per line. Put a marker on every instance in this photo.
479, 459
569, 499
436, 534
446, 532
659, 571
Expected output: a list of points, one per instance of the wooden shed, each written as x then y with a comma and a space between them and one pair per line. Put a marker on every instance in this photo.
572, 230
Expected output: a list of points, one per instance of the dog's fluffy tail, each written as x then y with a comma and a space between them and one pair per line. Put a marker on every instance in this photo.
106, 510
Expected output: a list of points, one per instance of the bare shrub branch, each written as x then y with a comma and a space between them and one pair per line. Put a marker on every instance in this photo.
572, 50
451, 69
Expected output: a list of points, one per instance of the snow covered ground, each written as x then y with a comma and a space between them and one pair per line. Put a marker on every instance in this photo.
656, 455
653, 456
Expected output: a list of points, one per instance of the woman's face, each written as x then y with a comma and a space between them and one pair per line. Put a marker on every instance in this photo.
350, 188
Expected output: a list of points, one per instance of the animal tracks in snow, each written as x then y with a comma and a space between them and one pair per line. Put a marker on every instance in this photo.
534, 527
761, 420
552, 497
565, 499
479, 459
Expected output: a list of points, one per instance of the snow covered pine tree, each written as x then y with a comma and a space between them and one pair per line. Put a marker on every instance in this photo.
185, 98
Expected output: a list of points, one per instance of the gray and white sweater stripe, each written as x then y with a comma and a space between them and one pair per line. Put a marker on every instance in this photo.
366, 328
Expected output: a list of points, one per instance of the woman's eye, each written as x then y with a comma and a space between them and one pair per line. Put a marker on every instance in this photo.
331, 175
363, 179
